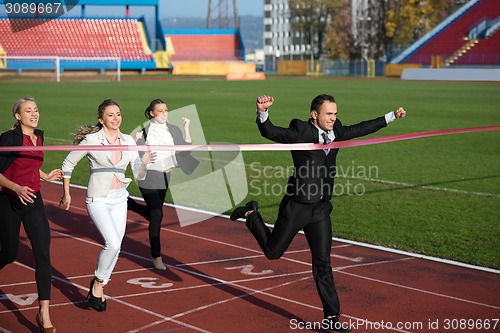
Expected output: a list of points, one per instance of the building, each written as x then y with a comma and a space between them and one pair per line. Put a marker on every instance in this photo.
280, 42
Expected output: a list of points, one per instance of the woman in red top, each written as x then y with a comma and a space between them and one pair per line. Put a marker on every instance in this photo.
21, 201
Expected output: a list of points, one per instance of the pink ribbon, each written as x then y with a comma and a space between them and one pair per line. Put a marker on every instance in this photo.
257, 147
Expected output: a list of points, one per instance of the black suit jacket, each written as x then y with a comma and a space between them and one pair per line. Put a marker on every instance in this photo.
186, 162
314, 171
12, 138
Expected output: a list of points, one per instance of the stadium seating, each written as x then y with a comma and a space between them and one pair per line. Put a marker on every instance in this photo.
454, 36
75, 38
206, 47
486, 52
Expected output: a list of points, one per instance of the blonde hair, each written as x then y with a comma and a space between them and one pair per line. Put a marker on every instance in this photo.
16, 109
83, 130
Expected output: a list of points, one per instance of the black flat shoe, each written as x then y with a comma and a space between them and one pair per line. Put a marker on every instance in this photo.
95, 303
241, 211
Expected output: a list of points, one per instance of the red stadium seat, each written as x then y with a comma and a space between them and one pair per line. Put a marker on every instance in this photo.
453, 38
206, 47
73, 37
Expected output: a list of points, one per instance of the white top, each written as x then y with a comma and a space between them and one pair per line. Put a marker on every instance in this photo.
158, 134
102, 169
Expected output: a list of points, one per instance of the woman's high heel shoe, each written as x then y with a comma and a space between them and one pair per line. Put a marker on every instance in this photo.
95, 303
39, 321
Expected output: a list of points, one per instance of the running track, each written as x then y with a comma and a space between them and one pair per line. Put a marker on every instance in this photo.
218, 281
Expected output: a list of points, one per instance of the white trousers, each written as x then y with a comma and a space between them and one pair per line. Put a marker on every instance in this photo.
109, 214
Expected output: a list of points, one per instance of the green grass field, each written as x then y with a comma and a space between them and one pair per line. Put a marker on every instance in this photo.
438, 196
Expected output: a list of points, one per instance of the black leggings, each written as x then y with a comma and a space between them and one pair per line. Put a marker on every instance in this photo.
36, 225
154, 190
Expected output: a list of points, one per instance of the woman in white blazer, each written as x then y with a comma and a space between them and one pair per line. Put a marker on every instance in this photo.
106, 193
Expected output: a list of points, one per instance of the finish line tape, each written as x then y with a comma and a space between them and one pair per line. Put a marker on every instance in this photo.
256, 147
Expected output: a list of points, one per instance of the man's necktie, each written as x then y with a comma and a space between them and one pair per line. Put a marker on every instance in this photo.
326, 140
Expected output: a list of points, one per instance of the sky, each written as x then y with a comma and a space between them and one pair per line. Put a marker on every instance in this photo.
199, 8
168, 9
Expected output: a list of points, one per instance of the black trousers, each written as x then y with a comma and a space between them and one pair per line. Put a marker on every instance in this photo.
314, 219
154, 190
36, 225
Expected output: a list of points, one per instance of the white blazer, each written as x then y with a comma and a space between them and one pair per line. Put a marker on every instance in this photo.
102, 169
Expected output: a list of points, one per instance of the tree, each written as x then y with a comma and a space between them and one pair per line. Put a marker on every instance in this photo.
382, 26
311, 18
408, 20
339, 41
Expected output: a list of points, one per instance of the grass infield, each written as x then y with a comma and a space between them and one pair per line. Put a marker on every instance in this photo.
438, 196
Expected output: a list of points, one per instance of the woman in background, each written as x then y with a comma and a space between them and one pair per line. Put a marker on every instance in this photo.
154, 187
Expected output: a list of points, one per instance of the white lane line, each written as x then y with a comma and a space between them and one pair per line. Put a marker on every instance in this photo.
207, 306
187, 271
165, 318
426, 187
420, 290
346, 241
308, 264
344, 174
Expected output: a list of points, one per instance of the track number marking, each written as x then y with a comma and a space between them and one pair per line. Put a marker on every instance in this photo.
149, 283
249, 270
23, 300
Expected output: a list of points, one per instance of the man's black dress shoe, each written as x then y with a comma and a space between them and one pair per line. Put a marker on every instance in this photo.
241, 211
335, 325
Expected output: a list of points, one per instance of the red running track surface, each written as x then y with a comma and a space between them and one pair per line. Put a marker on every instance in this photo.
218, 281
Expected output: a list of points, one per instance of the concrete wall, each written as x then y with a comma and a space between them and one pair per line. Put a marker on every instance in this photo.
452, 74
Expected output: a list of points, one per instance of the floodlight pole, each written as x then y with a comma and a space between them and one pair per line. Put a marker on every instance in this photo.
222, 9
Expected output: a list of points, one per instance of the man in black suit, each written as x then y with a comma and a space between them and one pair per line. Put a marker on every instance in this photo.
306, 204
